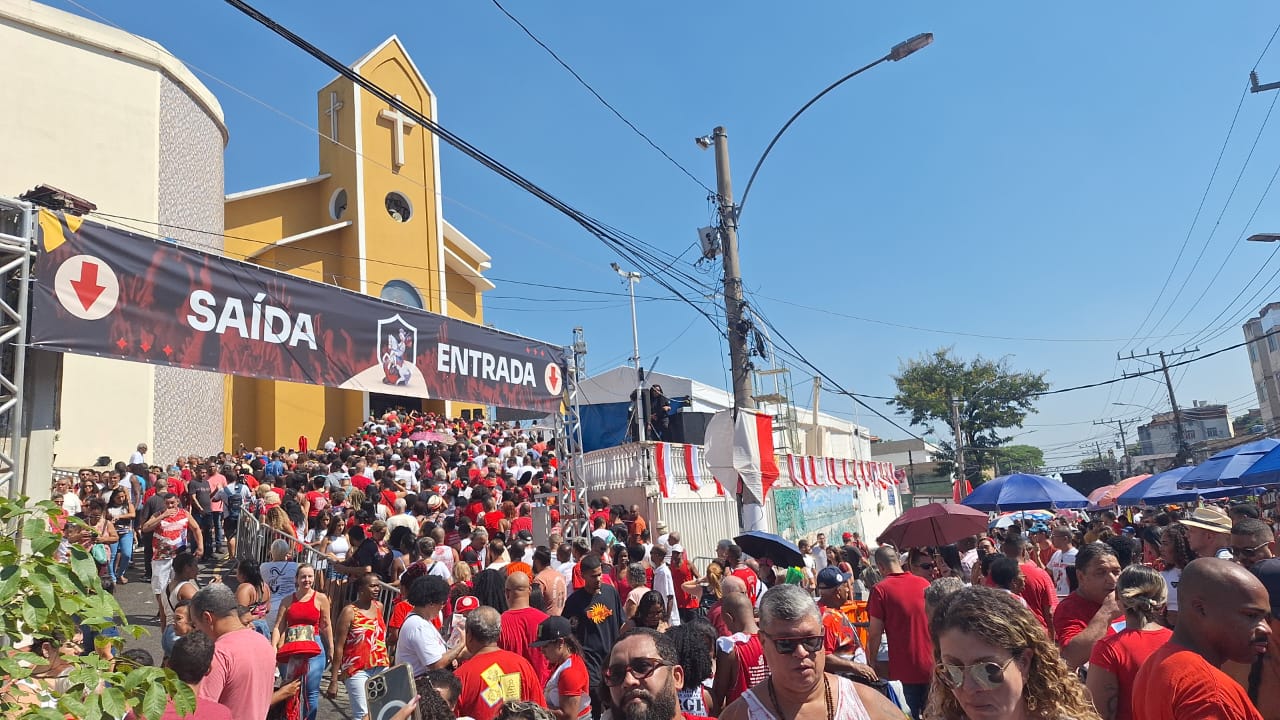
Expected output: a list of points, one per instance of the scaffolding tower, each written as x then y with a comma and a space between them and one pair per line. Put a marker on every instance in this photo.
574, 511
17, 237
772, 393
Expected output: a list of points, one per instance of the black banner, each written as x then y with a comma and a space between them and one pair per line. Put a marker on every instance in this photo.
111, 293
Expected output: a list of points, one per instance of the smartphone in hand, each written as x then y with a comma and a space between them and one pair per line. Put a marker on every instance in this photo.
389, 692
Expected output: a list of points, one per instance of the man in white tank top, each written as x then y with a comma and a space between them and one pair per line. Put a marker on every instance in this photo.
799, 687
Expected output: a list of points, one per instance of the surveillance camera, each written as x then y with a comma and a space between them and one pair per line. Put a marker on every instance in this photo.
704, 142
615, 267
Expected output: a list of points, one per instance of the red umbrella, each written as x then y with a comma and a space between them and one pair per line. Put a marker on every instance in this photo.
934, 524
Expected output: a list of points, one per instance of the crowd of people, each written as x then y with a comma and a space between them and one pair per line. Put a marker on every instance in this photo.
1163, 613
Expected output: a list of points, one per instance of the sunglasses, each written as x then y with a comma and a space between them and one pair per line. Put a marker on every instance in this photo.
639, 668
1247, 551
787, 646
985, 675
926, 566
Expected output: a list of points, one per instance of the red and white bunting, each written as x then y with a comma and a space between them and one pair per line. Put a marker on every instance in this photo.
794, 474
814, 477
692, 468
831, 472
844, 470
804, 471
662, 464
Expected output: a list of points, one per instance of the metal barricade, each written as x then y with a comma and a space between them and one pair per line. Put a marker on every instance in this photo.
253, 542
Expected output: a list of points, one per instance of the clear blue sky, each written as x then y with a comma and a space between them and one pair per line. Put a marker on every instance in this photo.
1032, 174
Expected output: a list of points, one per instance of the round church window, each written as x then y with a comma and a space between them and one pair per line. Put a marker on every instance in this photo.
338, 204
398, 207
399, 291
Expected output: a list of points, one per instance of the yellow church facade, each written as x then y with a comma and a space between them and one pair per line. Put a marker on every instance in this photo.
369, 221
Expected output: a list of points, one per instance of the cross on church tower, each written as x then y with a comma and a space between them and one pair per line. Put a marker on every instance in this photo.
334, 106
401, 124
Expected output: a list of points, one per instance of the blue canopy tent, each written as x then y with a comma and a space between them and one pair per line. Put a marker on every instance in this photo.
1022, 491
1225, 468
1163, 488
1266, 471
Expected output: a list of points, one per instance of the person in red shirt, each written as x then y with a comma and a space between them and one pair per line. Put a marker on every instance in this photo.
896, 609
1038, 589
520, 624
1222, 615
1044, 549
844, 650
492, 675
1115, 659
740, 663
739, 569
568, 691
681, 573
1085, 616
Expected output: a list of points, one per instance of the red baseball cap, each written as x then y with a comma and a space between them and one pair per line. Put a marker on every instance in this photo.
466, 604
847, 536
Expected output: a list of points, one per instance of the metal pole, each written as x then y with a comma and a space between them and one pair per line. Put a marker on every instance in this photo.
1184, 453
1124, 445
955, 422
733, 305
642, 402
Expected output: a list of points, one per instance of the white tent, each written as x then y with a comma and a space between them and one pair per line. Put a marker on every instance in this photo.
616, 386
840, 436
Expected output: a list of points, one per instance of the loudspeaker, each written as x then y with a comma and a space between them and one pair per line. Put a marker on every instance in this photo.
689, 428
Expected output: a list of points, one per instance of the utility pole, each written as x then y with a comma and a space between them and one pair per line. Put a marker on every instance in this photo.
955, 423
641, 409
1184, 452
739, 363
1124, 442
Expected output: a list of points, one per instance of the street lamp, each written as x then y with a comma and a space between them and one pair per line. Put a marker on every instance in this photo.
1264, 237
896, 53
631, 279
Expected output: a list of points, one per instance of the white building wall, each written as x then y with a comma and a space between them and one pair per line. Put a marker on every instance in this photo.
84, 113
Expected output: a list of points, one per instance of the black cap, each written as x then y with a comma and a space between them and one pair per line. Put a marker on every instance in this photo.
552, 629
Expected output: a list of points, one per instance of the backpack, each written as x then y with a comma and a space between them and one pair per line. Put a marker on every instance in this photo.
234, 502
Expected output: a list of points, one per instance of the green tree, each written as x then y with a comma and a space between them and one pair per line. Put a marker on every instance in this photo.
1018, 458
43, 598
992, 398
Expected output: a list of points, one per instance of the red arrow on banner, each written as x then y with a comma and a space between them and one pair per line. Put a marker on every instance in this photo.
87, 288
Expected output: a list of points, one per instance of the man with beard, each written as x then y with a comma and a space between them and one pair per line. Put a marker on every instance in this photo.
1222, 615
595, 613
643, 674
1085, 616
799, 688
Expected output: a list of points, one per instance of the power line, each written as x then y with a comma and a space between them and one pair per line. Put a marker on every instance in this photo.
337, 255
597, 96
622, 246
1234, 246
1195, 219
1217, 223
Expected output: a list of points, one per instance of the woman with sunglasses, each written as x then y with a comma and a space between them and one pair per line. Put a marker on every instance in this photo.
799, 688
1116, 658
996, 663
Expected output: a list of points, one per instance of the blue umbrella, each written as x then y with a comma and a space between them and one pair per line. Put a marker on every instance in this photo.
1163, 488
1022, 491
1266, 471
1226, 467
